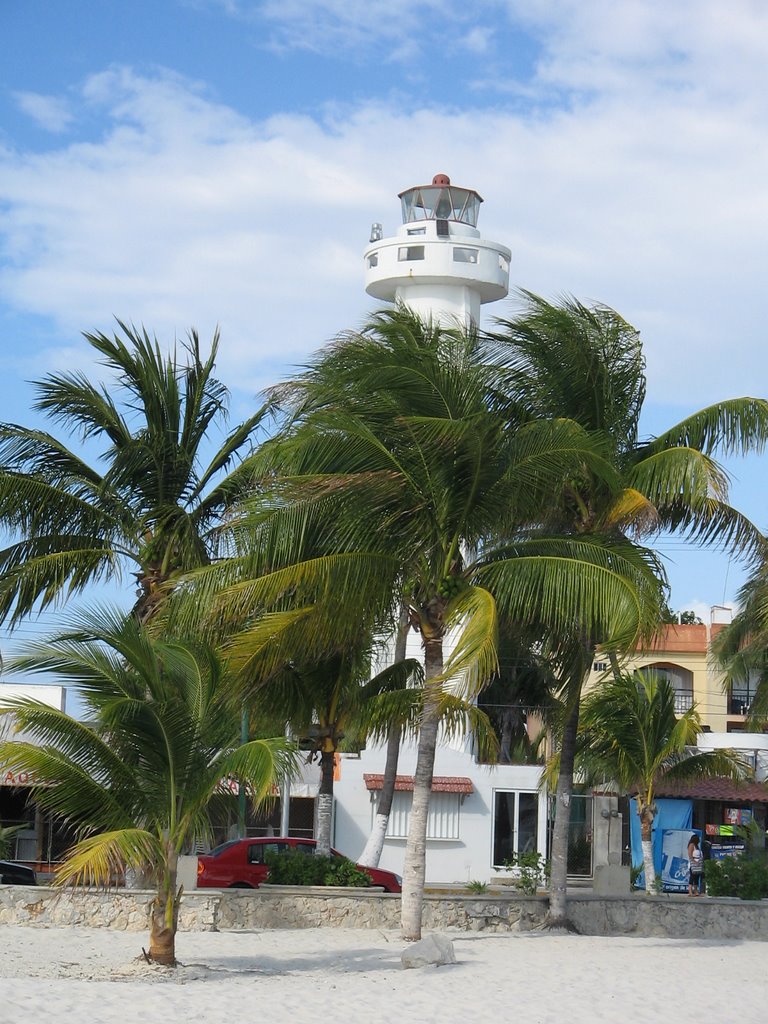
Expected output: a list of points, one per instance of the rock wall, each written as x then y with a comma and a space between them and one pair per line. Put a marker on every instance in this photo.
288, 907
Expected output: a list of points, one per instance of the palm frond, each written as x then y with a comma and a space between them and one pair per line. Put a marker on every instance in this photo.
102, 859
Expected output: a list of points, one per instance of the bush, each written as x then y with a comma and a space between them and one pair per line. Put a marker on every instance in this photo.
532, 871
294, 867
744, 877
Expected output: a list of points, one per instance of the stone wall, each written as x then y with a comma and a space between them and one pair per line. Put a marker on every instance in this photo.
287, 907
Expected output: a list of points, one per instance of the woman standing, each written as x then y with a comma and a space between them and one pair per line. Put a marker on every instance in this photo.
696, 867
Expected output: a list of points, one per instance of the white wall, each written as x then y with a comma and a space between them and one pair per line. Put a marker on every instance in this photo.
448, 860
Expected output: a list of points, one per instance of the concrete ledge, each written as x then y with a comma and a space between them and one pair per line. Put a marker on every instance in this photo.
298, 907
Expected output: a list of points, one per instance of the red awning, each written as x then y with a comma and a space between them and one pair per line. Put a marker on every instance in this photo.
440, 783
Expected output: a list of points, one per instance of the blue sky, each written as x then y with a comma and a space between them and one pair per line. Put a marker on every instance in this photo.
201, 162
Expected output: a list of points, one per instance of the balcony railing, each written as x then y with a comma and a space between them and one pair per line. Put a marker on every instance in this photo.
683, 701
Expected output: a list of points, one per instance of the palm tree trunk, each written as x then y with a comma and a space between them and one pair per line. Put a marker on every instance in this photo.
371, 855
646, 843
414, 870
558, 907
324, 807
164, 919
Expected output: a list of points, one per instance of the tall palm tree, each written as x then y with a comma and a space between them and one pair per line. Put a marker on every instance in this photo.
586, 363
138, 778
741, 648
631, 735
428, 481
146, 500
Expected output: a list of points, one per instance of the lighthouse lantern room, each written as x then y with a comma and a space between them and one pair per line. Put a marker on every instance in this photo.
438, 264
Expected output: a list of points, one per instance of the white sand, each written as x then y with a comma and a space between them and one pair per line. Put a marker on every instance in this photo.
89, 976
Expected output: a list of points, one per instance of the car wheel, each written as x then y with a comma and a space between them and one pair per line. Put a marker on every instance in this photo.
241, 885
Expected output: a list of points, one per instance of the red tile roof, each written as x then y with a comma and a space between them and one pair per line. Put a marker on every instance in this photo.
715, 789
691, 638
440, 783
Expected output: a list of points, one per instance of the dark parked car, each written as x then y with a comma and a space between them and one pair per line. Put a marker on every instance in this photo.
240, 864
16, 874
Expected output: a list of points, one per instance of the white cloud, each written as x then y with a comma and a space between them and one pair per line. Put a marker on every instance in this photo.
402, 28
52, 113
478, 39
650, 196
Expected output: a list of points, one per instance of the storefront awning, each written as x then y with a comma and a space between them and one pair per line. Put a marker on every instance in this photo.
715, 789
440, 783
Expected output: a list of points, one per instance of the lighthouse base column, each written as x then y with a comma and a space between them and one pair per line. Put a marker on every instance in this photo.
448, 305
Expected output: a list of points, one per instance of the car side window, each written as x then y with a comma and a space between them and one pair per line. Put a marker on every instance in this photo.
257, 852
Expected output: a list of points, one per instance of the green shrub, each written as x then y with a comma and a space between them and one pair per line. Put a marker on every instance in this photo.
294, 867
476, 886
532, 871
7, 834
745, 877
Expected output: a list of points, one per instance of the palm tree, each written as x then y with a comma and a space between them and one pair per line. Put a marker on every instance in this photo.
586, 363
324, 702
741, 648
139, 777
145, 502
427, 482
631, 736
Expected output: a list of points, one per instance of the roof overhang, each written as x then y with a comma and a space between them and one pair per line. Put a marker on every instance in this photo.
440, 783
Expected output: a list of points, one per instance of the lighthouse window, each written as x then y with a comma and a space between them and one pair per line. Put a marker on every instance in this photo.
410, 252
417, 231
462, 255
373, 260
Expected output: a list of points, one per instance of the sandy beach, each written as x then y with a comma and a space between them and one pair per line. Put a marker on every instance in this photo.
75, 975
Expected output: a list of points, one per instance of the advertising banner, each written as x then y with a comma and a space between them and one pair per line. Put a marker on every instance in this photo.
674, 858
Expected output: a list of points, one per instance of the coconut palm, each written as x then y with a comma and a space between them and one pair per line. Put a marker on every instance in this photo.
145, 502
323, 702
427, 482
631, 736
741, 648
139, 777
586, 363
332, 701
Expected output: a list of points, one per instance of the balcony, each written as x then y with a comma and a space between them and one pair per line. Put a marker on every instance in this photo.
683, 701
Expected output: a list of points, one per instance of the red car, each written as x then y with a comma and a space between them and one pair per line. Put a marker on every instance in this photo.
239, 864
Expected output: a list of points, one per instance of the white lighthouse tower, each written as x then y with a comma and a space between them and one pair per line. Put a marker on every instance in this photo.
438, 264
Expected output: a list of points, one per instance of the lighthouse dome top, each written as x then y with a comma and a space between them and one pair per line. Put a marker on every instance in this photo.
440, 201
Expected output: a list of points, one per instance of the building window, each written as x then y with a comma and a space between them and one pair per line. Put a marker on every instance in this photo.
462, 255
417, 231
410, 252
740, 699
373, 260
600, 666
515, 824
442, 820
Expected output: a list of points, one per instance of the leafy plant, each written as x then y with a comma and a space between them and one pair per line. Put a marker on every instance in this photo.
476, 886
294, 867
531, 869
744, 877
6, 836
